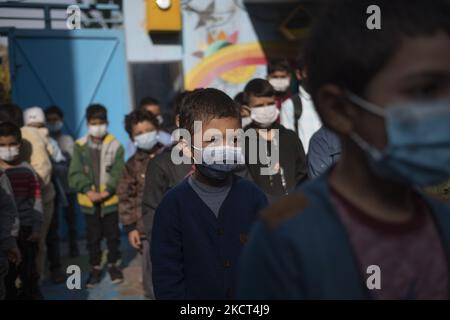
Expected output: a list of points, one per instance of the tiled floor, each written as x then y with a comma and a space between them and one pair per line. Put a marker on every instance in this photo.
130, 289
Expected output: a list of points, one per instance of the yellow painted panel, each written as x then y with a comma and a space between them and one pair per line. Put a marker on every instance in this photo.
159, 20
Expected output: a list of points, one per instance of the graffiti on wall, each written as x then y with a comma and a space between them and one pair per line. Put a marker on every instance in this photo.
227, 43
221, 48
5, 80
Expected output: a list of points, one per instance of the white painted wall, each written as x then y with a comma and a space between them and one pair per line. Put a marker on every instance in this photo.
140, 47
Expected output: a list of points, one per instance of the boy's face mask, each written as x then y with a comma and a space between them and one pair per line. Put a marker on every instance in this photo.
219, 162
9, 154
146, 141
265, 116
160, 119
55, 126
280, 84
98, 131
418, 141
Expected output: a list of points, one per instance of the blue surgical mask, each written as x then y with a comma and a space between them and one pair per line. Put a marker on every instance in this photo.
146, 141
418, 141
55, 127
219, 162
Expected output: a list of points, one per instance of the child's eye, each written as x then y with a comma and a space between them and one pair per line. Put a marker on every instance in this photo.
426, 92
429, 90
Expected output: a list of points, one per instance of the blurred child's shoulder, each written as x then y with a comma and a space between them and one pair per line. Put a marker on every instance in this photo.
179, 191
111, 139
164, 158
176, 199
26, 167
81, 141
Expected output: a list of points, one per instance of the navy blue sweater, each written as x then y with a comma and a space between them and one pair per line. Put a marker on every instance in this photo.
194, 254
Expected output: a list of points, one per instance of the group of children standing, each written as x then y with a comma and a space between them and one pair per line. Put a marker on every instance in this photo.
191, 221
109, 191
29, 153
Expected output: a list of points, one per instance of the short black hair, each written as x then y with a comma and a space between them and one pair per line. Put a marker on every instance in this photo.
10, 112
299, 62
10, 129
54, 110
240, 99
280, 64
178, 101
341, 50
205, 105
137, 116
96, 111
258, 88
148, 101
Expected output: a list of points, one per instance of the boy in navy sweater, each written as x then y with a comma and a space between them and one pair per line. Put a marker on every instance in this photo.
202, 224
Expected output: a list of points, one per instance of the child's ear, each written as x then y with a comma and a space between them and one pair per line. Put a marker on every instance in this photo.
333, 108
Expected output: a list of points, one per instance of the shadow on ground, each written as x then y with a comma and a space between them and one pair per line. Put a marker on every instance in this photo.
130, 289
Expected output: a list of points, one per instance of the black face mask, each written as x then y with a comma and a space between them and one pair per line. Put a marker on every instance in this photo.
212, 173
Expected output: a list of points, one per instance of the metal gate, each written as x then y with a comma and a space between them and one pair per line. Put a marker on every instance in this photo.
71, 69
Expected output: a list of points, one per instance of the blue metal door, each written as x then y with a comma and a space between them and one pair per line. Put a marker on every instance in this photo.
71, 69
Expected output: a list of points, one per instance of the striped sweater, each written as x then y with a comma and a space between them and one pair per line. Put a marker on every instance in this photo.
8, 217
27, 195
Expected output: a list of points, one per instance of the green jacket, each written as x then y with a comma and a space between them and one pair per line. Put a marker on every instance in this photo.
81, 176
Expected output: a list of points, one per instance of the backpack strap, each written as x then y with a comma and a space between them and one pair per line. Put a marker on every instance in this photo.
298, 109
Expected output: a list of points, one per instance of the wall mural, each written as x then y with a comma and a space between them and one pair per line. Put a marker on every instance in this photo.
221, 48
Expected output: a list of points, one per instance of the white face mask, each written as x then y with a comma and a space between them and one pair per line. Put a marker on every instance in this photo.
98, 131
280, 84
146, 141
160, 119
265, 116
8, 154
245, 121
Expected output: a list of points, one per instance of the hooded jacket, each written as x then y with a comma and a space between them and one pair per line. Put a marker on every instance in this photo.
81, 175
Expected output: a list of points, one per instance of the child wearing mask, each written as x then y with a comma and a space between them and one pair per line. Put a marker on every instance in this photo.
34, 118
245, 110
365, 229
153, 106
27, 197
66, 198
298, 113
9, 252
202, 223
291, 167
143, 129
94, 172
279, 77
